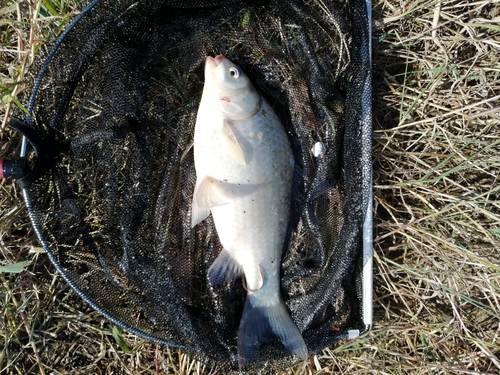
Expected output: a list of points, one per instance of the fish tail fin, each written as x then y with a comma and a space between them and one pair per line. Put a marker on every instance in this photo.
258, 320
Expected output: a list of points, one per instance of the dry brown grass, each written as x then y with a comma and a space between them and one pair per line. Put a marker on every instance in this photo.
437, 212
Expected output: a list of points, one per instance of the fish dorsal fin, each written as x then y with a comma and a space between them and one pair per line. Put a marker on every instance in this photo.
185, 152
231, 142
224, 268
198, 214
208, 193
211, 192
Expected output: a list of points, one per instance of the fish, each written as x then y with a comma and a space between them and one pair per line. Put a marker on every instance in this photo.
244, 168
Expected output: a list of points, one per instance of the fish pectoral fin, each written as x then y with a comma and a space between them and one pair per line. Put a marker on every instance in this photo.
232, 144
224, 268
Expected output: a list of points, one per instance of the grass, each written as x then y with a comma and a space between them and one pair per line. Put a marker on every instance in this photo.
437, 211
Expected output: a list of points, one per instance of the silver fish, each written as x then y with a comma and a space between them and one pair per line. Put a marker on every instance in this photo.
244, 167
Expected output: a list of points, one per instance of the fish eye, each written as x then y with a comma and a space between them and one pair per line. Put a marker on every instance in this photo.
234, 72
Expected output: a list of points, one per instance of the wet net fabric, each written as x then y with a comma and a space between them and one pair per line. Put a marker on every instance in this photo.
110, 194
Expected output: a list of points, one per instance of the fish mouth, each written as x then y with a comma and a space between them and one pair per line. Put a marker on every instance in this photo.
216, 60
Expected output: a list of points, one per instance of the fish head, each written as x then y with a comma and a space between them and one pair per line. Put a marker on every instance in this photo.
228, 89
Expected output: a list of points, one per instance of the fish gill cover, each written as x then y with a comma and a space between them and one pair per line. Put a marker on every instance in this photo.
110, 194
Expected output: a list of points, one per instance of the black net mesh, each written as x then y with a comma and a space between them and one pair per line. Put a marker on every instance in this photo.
110, 197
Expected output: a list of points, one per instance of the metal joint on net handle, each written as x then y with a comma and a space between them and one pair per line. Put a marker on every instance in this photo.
12, 167
46, 151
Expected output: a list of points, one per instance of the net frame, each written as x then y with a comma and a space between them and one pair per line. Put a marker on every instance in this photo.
366, 280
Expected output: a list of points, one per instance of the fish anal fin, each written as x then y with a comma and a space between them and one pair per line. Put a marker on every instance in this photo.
231, 142
224, 268
253, 280
260, 320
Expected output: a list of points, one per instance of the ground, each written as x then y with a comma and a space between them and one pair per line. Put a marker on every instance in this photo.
436, 168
